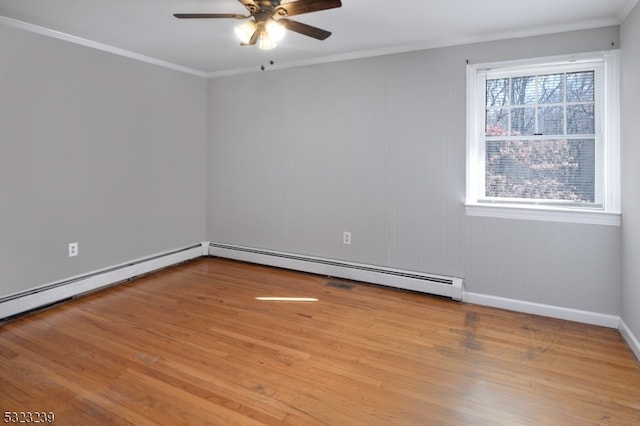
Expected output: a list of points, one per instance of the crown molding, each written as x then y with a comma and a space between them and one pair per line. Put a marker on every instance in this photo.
362, 54
95, 45
626, 10
449, 42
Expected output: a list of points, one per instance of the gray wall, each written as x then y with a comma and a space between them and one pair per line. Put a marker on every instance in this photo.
377, 147
630, 37
107, 151
98, 149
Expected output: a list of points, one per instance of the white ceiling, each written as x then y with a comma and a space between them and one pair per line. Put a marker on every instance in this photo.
147, 30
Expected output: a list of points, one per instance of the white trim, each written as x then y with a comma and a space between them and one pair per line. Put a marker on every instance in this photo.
524, 64
432, 44
611, 130
609, 176
54, 292
454, 41
626, 10
95, 45
205, 248
594, 318
408, 280
41, 296
543, 214
630, 338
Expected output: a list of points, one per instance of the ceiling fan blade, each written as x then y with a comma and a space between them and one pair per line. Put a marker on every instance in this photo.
251, 5
304, 29
209, 15
253, 40
306, 6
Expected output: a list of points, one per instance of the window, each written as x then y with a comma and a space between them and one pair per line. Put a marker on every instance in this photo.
542, 139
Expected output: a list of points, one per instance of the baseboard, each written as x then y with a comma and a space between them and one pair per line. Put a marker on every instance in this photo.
594, 318
54, 292
409, 280
630, 338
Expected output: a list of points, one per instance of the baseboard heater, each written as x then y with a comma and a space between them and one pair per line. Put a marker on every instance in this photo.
39, 297
409, 280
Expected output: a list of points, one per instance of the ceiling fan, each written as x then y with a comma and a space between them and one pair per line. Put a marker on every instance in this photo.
270, 18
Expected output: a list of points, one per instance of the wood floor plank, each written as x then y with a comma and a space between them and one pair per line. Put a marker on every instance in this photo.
192, 345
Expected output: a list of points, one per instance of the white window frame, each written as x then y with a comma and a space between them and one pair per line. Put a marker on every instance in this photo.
608, 181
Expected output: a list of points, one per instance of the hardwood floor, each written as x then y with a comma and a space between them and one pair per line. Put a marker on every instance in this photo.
193, 345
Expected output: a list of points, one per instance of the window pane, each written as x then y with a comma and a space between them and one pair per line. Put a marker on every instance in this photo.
497, 122
580, 119
523, 90
497, 92
523, 121
580, 86
551, 120
551, 88
560, 169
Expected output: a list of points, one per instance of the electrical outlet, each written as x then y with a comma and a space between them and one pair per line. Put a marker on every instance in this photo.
346, 237
73, 249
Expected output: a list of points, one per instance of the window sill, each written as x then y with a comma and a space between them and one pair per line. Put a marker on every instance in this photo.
545, 213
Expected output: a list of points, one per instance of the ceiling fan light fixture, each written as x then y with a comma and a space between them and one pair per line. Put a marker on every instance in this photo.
245, 30
264, 41
275, 30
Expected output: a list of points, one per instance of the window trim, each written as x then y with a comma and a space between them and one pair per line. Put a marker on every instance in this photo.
609, 214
